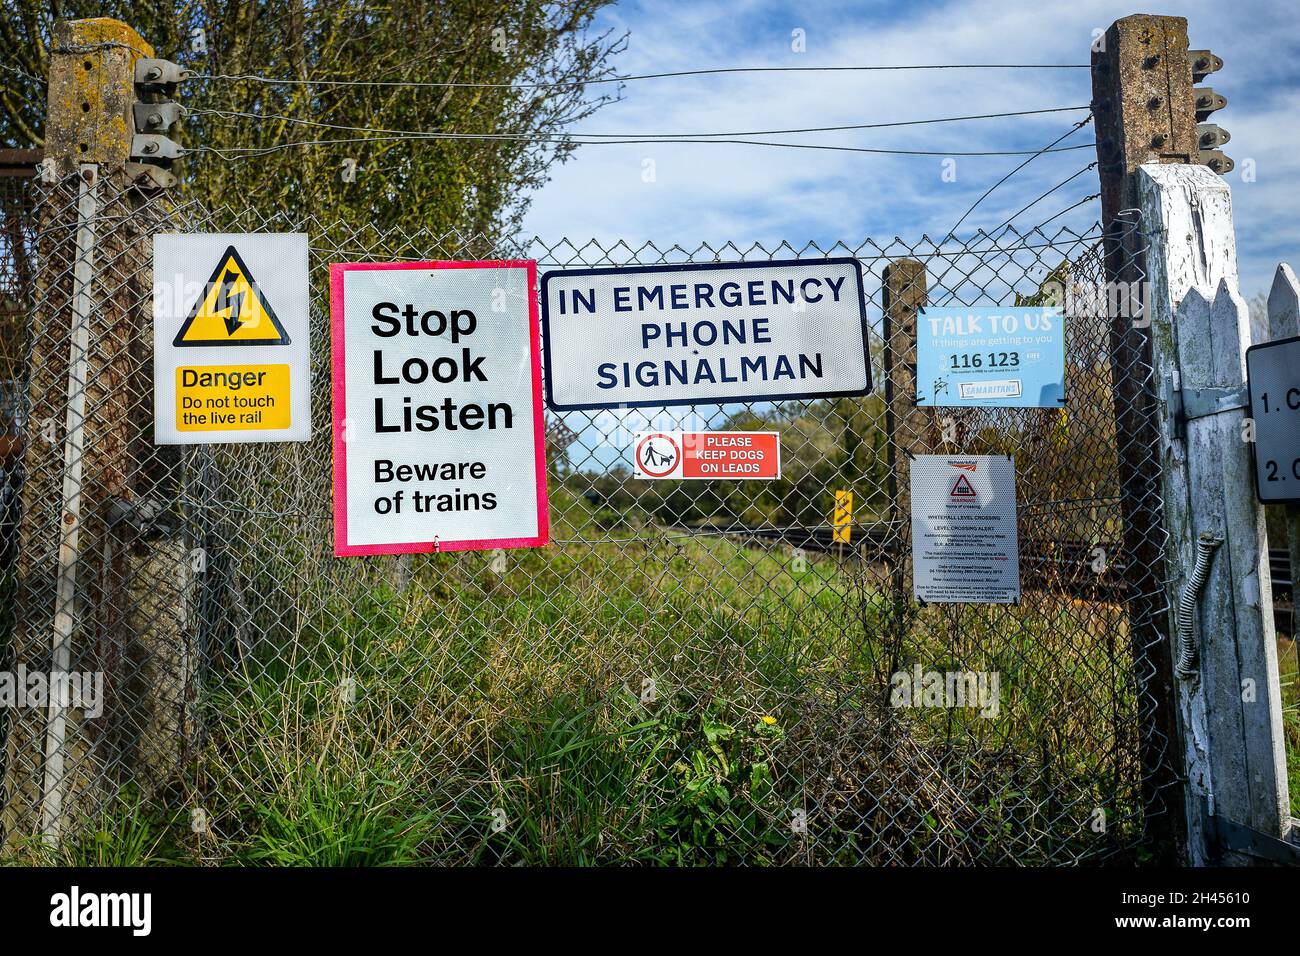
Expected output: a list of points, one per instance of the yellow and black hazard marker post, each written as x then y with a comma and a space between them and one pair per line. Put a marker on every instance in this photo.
842, 518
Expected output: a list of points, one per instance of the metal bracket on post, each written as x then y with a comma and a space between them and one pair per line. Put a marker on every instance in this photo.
150, 519
151, 146
148, 176
155, 72
156, 117
1204, 63
1186, 404
1225, 836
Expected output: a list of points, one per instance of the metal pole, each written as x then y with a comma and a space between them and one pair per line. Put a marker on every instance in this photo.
65, 610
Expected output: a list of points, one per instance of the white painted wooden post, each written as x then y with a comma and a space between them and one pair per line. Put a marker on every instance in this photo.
1231, 716
1284, 323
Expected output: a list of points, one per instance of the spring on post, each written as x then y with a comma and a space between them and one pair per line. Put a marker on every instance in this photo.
1206, 545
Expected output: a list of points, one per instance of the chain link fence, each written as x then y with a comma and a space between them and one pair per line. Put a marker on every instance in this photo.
16, 289
690, 673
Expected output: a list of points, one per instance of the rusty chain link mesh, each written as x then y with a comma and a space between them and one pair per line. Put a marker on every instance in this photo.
17, 228
689, 673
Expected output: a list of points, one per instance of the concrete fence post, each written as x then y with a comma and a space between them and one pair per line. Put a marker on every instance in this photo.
99, 584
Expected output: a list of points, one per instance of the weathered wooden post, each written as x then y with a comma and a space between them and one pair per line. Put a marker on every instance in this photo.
1227, 666
904, 288
904, 291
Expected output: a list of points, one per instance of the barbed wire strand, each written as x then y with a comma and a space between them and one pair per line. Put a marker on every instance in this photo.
1035, 202
1050, 147
1085, 199
998, 233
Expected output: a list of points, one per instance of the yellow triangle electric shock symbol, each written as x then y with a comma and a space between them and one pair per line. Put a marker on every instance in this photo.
232, 310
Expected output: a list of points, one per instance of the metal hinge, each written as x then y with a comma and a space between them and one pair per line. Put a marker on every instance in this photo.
1186, 404
1203, 402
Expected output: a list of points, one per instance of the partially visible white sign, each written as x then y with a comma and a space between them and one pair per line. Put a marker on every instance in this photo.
1273, 370
965, 549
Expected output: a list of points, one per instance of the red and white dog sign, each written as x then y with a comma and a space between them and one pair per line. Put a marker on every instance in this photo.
735, 455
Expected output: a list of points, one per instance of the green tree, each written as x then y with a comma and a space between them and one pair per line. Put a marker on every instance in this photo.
531, 63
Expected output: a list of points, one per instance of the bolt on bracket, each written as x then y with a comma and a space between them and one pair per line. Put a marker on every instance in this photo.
149, 146
159, 72
157, 117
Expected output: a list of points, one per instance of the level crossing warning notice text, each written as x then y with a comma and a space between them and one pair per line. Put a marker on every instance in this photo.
965, 547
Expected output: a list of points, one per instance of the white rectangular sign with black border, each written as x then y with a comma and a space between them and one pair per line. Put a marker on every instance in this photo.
1273, 374
965, 548
439, 442
231, 338
704, 333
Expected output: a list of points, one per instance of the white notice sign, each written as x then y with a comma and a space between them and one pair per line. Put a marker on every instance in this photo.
687, 334
964, 544
438, 431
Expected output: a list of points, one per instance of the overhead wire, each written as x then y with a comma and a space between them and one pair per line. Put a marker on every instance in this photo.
725, 138
277, 117
250, 152
466, 84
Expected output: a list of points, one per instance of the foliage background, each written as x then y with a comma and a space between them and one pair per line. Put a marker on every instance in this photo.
474, 186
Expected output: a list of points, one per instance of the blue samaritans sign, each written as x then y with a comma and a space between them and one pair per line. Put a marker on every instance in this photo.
991, 357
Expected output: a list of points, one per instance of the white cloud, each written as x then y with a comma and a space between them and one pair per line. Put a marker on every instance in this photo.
723, 193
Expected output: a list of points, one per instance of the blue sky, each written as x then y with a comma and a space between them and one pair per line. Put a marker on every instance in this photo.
720, 193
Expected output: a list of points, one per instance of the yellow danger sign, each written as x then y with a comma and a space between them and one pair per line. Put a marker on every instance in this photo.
218, 398
232, 310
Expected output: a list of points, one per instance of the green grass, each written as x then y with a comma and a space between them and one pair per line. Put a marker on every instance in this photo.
129, 833
1289, 673
635, 697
